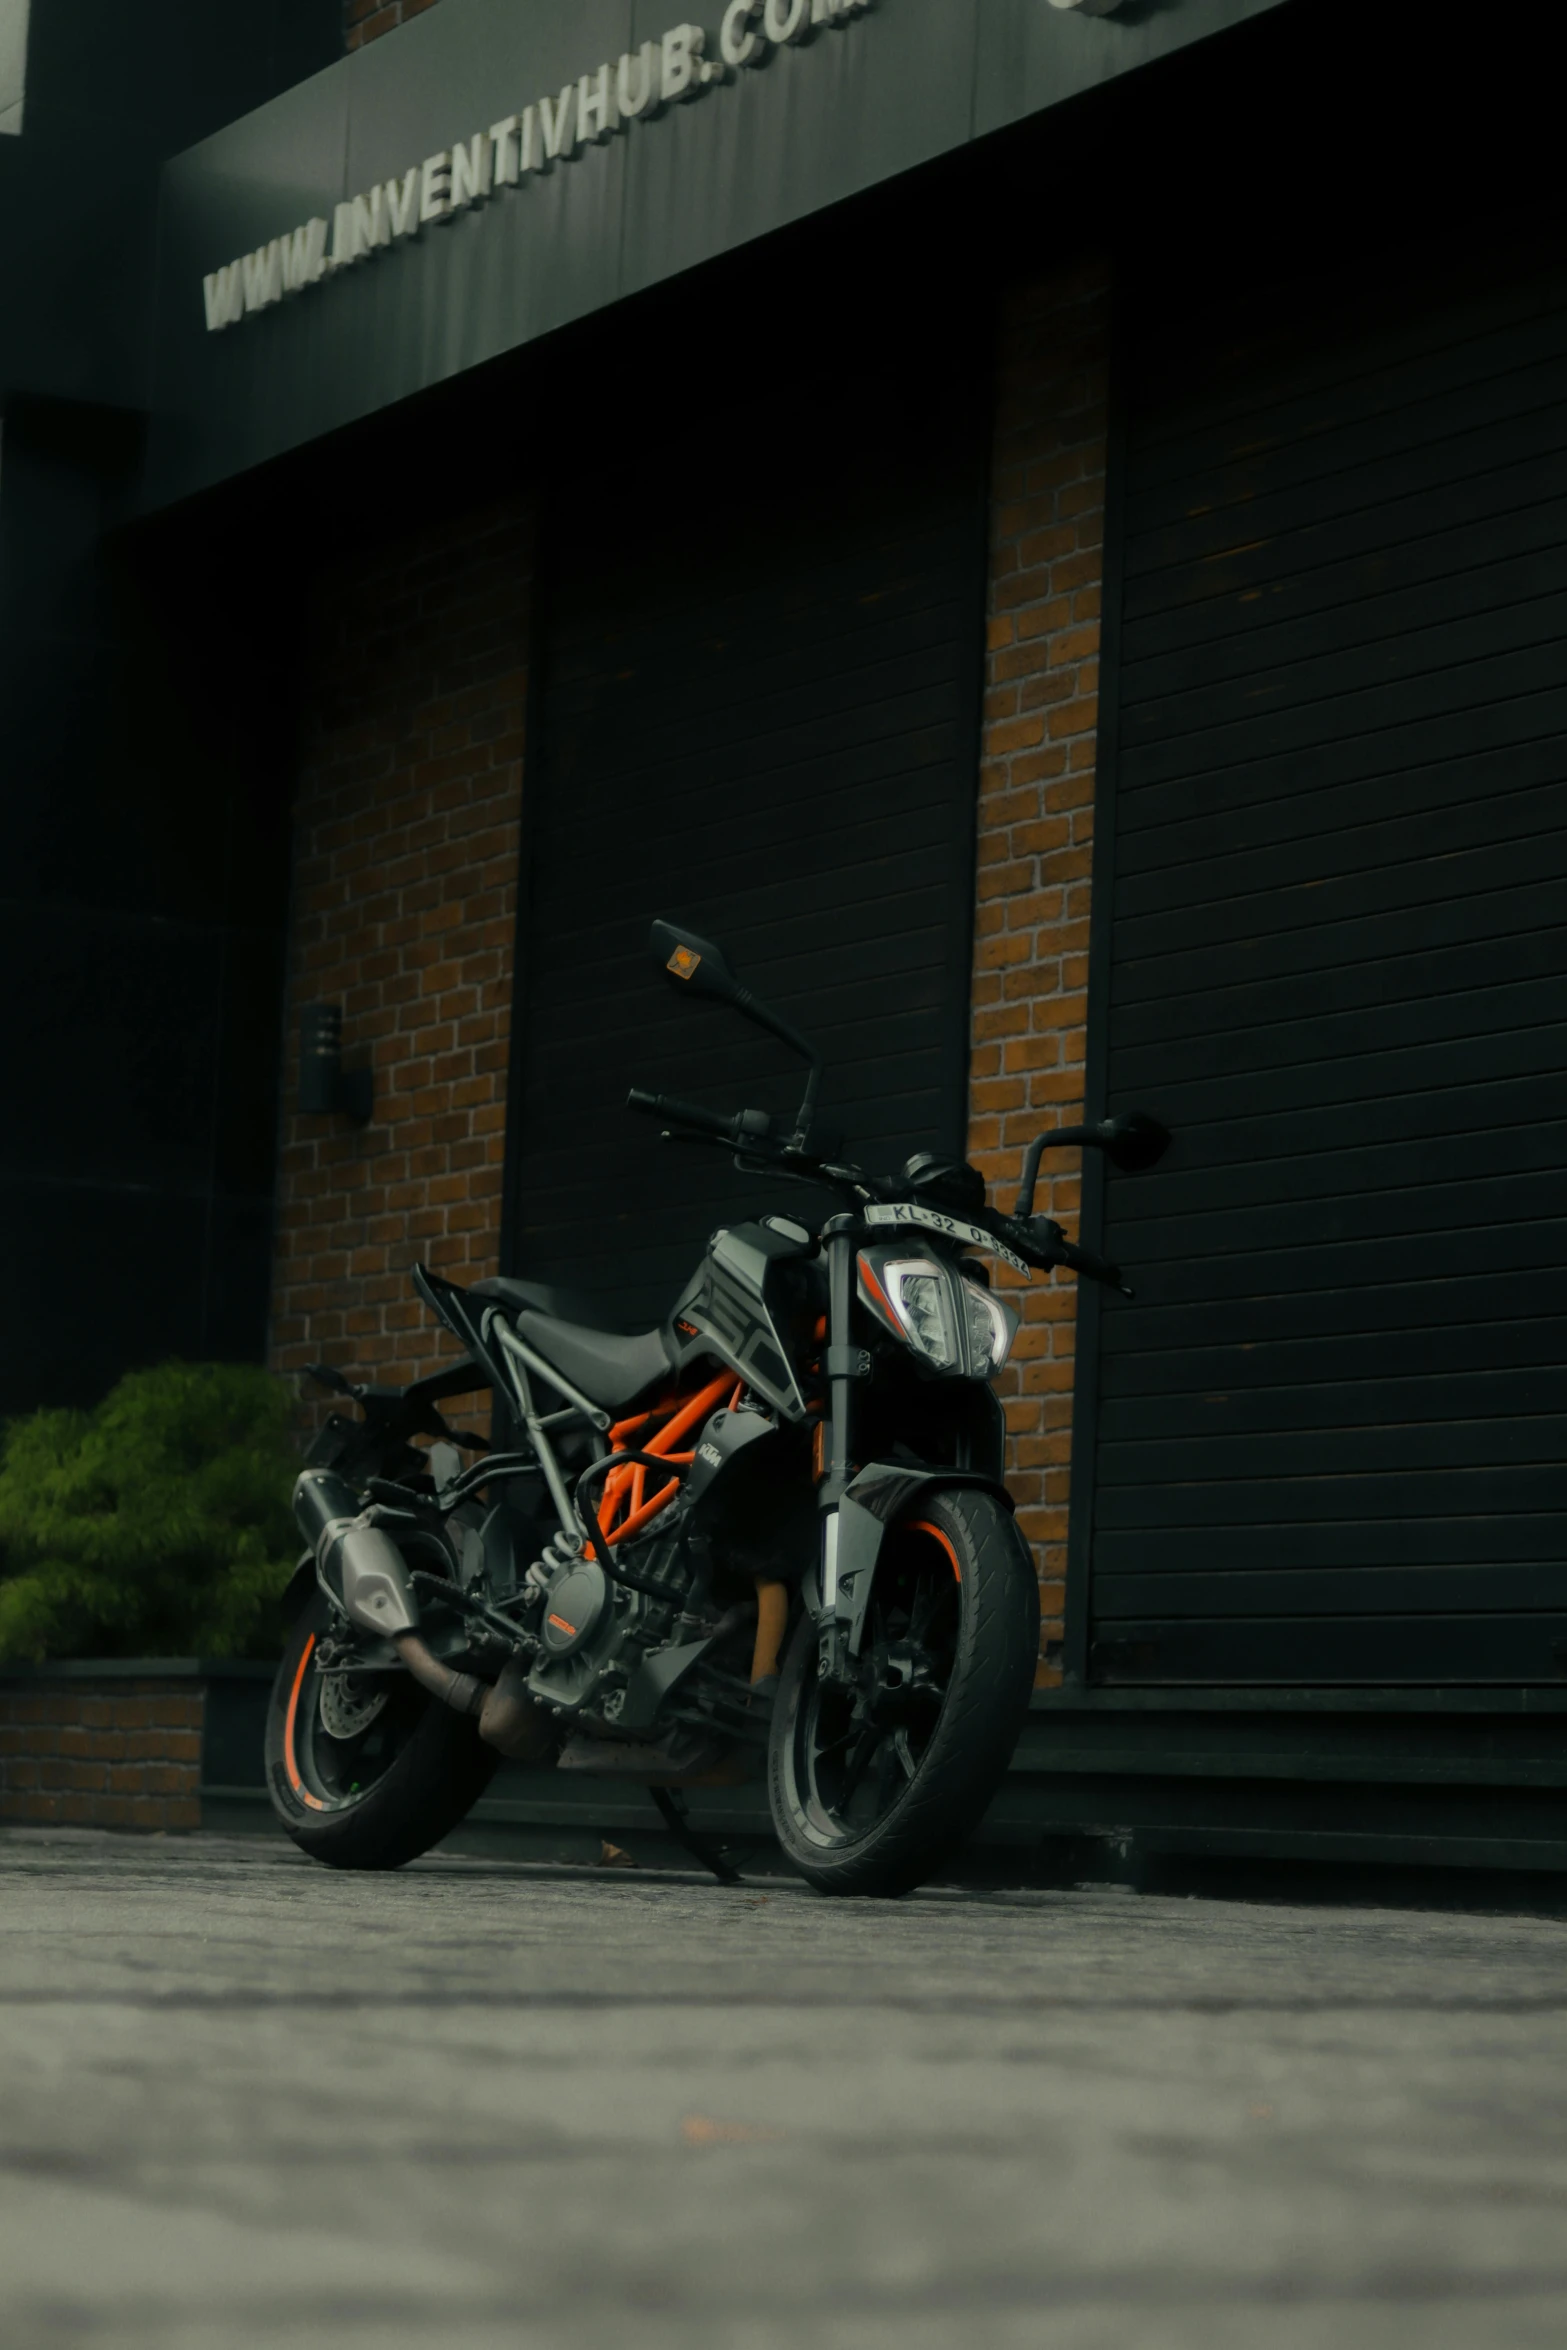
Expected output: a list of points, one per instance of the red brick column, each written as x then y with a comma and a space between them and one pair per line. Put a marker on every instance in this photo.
406, 845
1036, 806
116, 1753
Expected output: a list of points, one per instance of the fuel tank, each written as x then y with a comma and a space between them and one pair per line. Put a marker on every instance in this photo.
754, 1300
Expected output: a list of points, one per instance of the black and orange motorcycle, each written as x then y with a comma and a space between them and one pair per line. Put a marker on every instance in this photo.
770, 1535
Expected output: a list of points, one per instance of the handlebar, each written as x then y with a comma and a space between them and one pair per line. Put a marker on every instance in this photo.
1036, 1237
1048, 1245
1084, 1261
743, 1127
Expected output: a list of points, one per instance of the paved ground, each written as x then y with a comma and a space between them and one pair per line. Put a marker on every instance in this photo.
245, 2102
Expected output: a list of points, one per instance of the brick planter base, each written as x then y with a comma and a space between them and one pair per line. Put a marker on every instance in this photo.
103, 1745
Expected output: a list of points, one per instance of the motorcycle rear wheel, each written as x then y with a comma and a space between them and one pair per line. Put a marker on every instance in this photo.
874, 1787
369, 1771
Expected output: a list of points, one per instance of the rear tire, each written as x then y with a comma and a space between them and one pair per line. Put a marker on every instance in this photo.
381, 1774
873, 1790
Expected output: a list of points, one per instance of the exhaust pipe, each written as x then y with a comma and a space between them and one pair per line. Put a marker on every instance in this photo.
461, 1691
358, 1561
362, 1566
362, 1563
511, 1721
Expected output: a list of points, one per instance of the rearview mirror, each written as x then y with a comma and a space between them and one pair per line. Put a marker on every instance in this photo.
696, 967
694, 964
1133, 1142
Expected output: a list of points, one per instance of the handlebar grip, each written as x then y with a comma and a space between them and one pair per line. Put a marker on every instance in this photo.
1048, 1245
1084, 1261
664, 1105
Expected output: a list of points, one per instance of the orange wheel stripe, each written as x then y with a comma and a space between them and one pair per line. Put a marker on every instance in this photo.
289, 1764
924, 1526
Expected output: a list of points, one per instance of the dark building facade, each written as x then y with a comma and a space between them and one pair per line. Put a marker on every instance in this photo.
1042, 529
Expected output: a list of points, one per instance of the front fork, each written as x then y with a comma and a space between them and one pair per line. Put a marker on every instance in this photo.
846, 1366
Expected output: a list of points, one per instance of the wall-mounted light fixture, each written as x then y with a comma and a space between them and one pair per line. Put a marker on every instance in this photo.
1089, 7
326, 1088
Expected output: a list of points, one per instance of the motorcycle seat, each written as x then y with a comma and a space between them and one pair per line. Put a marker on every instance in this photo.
611, 1370
517, 1297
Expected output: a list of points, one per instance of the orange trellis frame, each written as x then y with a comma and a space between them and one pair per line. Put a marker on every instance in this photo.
626, 1505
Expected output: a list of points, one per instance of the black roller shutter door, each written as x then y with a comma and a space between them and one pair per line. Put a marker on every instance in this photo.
1329, 1436
758, 711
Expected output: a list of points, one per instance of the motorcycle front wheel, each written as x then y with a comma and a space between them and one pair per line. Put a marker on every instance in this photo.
875, 1785
365, 1770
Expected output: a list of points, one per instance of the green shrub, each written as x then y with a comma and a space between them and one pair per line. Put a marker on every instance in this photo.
156, 1525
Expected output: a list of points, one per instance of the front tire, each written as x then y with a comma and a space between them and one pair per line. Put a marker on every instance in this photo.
874, 1787
369, 1771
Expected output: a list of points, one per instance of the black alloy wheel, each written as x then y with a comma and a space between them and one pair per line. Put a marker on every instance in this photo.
873, 1786
365, 1770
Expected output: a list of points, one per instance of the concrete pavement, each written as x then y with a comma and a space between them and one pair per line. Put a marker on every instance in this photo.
245, 2102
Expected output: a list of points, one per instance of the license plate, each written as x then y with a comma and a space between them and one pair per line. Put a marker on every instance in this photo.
950, 1227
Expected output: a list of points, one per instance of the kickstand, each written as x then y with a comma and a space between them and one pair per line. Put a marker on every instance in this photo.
700, 1847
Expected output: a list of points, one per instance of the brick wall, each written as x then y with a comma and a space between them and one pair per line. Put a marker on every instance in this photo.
117, 1753
1036, 805
366, 20
406, 843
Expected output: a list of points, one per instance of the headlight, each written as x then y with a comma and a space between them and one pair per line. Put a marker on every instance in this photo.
991, 1330
919, 1301
916, 1298
952, 1324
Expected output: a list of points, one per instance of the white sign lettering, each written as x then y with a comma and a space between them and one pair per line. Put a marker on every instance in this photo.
554, 129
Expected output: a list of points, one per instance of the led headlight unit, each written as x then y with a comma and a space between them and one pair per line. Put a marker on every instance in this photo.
991, 1329
950, 1323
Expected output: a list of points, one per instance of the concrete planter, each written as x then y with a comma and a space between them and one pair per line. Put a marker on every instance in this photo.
131, 1742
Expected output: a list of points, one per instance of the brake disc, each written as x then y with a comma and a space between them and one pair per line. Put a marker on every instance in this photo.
350, 1703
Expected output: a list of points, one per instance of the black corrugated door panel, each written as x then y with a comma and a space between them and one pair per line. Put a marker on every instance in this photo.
1329, 1439
758, 711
